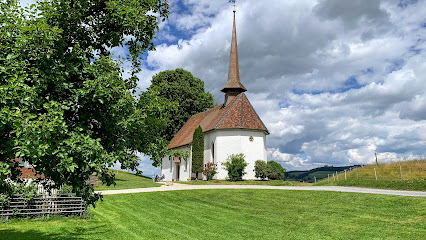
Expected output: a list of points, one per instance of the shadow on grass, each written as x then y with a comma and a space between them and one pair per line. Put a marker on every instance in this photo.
63, 233
121, 180
144, 177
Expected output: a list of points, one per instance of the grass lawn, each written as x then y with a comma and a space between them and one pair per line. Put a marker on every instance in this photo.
248, 182
127, 180
236, 214
388, 176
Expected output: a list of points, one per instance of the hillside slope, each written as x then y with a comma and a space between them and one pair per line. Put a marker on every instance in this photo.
388, 175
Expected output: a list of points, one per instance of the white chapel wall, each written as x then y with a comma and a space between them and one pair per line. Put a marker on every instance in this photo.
168, 167
227, 142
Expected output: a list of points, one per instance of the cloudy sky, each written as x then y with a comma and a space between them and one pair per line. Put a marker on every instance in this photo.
333, 80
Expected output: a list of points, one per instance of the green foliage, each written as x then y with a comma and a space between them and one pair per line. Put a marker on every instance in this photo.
181, 87
178, 153
261, 169
27, 190
4, 200
64, 105
209, 170
235, 165
65, 189
197, 150
276, 171
273, 176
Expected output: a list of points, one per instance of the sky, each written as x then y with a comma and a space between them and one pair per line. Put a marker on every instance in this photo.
334, 81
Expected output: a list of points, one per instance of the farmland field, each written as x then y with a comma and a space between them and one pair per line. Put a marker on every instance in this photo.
236, 214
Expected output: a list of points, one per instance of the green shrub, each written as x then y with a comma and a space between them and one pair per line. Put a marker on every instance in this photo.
4, 200
235, 165
273, 176
27, 190
65, 189
276, 171
261, 169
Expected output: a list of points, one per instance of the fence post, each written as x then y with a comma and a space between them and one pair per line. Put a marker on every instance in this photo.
315, 179
334, 178
400, 171
345, 174
337, 176
375, 174
328, 177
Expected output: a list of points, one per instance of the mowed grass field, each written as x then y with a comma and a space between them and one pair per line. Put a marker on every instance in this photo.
236, 214
125, 180
388, 176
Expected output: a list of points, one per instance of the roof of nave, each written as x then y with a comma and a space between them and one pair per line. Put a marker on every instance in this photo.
238, 114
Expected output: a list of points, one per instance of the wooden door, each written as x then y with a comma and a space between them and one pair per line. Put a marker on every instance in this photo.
177, 171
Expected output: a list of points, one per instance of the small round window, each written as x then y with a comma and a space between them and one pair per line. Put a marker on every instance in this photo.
251, 138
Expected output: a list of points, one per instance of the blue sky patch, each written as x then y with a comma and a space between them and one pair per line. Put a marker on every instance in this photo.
406, 3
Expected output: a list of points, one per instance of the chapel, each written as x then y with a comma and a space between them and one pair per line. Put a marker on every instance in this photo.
230, 128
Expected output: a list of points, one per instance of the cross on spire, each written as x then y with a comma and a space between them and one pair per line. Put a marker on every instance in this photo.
233, 4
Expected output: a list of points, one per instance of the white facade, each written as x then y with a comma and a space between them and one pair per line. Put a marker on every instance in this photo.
218, 146
173, 171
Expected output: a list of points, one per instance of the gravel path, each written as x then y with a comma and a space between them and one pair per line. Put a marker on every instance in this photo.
177, 186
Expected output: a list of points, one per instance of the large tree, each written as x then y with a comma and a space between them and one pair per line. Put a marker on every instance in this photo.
181, 87
64, 105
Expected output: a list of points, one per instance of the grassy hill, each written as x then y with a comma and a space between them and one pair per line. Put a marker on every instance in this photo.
388, 176
126, 180
236, 214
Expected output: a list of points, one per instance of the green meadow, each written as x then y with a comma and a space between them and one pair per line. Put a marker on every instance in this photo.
235, 214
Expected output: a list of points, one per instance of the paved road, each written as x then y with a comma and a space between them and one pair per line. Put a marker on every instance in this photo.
177, 186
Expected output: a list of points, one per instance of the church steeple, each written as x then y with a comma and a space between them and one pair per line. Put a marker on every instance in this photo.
233, 86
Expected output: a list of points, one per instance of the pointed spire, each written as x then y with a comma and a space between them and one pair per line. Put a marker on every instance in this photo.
233, 84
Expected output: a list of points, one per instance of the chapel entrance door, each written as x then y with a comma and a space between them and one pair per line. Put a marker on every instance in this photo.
177, 171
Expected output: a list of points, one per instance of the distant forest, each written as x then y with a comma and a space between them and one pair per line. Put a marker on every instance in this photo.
319, 173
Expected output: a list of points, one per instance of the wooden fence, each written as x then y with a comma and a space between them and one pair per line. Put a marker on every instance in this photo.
44, 206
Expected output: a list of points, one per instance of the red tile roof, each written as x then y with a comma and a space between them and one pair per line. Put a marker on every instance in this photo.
29, 173
238, 114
